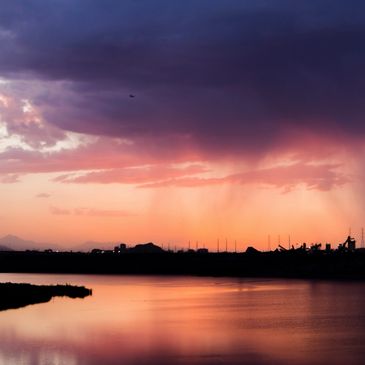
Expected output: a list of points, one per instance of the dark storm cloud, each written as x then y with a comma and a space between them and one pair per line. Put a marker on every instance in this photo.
225, 75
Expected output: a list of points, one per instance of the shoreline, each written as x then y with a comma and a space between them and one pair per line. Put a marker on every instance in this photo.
344, 266
18, 295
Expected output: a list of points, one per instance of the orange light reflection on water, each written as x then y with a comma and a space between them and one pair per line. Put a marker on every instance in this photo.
142, 320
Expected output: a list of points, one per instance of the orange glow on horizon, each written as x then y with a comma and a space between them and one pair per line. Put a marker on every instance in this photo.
173, 216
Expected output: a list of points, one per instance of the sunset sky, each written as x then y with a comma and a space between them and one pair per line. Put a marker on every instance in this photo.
170, 121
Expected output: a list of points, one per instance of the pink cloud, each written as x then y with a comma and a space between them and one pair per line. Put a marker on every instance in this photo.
125, 163
320, 177
26, 121
100, 212
105, 153
9, 178
43, 195
152, 161
133, 175
59, 211
89, 212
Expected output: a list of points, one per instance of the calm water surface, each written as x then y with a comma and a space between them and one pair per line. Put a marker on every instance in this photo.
172, 320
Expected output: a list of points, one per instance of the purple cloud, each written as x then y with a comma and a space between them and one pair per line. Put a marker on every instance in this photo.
227, 77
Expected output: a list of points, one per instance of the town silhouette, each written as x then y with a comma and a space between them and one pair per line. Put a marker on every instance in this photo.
305, 261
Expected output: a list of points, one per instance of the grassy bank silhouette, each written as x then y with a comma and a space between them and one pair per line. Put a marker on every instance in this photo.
14, 296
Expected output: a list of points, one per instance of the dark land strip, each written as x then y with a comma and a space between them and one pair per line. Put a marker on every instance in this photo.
14, 296
289, 264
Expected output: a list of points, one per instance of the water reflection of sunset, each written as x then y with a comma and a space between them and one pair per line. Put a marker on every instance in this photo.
185, 320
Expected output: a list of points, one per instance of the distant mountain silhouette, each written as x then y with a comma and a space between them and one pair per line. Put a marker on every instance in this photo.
14, 243
11, 242
146, 248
